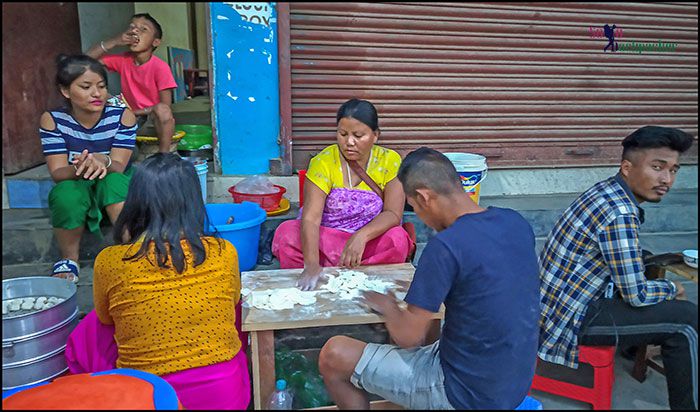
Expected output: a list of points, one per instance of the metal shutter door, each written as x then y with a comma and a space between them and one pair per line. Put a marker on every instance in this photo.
523, 84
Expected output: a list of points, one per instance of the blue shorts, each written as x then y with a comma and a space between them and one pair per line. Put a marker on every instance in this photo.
412, 378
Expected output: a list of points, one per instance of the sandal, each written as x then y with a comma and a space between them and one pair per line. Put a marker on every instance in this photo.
66, 266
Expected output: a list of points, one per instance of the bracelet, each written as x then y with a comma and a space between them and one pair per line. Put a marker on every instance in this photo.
102, 44
110, 162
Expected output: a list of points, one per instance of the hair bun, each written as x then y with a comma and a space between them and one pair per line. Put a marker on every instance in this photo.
61, 58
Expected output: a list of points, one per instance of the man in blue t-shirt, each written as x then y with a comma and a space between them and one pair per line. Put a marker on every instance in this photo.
482, 265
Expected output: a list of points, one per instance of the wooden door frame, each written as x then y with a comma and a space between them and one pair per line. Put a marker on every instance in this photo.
283, 165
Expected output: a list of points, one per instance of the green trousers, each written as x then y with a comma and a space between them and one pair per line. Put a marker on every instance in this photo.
79, 203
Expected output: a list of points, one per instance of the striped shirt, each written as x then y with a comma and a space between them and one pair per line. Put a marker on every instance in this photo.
71, 138
594, 242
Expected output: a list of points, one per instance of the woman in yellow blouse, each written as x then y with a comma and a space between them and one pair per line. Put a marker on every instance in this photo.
167, 294
347, 221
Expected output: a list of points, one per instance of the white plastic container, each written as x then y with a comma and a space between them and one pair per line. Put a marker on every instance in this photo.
472, 170
690, 257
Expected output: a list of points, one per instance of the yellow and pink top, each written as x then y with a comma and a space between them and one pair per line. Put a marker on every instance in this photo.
325, 169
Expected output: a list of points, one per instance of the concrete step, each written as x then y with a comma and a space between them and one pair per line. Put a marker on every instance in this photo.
30, 188
28, 235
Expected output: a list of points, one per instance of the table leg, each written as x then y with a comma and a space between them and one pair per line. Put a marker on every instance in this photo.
639, 371
263, 366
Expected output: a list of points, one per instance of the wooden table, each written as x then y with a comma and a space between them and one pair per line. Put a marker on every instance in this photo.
642, 359
327, 311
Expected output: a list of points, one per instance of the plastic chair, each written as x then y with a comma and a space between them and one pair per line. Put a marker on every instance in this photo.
602, 360
409, 227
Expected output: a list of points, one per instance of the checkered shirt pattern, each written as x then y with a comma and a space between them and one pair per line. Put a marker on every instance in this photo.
595, 241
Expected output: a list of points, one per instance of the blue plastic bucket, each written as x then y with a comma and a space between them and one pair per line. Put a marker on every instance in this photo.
202, 170
243, 233
201, 167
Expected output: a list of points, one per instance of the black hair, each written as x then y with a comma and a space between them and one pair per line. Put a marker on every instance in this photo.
159, 30
70, 67
426, 168
650, 137
361, 110
164, 205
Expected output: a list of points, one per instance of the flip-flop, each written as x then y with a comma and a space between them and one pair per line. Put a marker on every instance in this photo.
67, 266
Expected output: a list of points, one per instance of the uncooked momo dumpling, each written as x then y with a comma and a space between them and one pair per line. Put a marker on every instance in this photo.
15, 305
28, 303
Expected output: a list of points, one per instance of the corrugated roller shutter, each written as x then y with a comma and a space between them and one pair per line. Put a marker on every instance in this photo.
522, 83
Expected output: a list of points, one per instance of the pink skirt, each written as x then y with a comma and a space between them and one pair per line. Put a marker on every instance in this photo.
391, 247
225, 385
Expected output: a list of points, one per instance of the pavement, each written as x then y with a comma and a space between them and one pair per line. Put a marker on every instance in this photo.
628, 393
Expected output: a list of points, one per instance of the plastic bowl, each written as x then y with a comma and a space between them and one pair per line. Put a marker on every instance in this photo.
269, 202
690, 257
198, 135
154, 139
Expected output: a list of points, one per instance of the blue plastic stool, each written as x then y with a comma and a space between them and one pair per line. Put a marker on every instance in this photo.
164, 395
529, 404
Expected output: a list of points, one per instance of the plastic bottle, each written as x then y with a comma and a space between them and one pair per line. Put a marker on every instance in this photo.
281, 398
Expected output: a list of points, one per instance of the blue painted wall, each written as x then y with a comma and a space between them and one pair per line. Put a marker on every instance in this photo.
246, 85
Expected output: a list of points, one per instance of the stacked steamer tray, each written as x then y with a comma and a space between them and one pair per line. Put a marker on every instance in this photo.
34, 339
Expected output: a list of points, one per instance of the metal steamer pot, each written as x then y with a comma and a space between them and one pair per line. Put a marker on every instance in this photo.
33, 344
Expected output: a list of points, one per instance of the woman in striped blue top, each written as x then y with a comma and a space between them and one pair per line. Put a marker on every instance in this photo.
87, 147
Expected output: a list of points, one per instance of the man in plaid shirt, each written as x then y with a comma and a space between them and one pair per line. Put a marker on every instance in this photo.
593, 290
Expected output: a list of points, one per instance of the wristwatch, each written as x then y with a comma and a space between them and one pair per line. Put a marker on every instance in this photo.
674, 290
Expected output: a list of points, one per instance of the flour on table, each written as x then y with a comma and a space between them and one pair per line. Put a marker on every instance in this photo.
278, 299
350, 283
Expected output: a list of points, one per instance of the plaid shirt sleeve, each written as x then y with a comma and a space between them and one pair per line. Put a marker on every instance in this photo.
619, 244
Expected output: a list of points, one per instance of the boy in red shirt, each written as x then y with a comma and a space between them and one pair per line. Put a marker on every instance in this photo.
146, 80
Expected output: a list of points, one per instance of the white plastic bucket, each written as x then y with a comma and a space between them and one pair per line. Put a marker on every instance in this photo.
202, 169
472, 171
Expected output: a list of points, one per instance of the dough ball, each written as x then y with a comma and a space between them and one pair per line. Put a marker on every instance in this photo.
15, 305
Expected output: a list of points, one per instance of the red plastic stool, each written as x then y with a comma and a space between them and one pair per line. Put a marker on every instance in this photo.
602, 360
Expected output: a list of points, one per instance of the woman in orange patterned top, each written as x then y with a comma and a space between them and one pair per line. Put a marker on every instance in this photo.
167, 294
